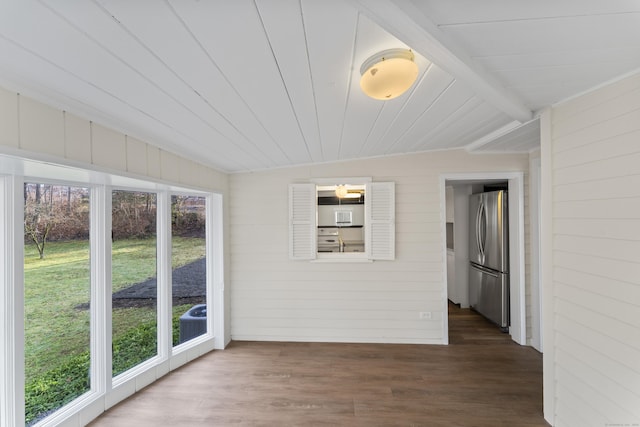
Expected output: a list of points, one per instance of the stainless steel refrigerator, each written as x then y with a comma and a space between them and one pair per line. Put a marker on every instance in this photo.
489, 256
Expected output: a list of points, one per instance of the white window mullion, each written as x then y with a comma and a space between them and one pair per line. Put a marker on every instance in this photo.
163, 275
11, 301
215, 269
101, 288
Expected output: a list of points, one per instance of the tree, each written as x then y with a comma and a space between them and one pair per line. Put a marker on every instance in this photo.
133, 214
188, 215
39, 214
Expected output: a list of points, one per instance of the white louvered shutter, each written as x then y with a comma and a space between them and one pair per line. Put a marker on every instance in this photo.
381, 220
302, 221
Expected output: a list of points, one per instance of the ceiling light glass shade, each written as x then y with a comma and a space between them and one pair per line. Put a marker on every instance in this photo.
341, 191
388, 74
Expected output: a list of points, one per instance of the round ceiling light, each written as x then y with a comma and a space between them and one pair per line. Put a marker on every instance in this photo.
388, 74
341, 191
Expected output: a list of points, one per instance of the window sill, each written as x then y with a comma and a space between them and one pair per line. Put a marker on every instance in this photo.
342, 258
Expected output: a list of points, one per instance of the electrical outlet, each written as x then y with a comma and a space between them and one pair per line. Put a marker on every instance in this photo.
425, 315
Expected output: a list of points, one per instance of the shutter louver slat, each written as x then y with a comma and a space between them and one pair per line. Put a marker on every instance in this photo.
382, 221
302, 213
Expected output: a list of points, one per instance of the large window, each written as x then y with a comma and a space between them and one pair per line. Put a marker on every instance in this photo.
189, 267
134, 283
57, 285
87, 262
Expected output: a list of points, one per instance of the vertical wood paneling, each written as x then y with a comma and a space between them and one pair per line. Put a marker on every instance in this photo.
194, 174
154, 168
41, 128
108, 148
77, 138
188, 171
274, 298
169, 166
9, 134
136, 156
596, 256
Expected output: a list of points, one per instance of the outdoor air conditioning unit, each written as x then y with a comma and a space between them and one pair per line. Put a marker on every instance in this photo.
193, 323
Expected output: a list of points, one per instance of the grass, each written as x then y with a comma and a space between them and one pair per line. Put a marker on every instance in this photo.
70, 379
57, 323
54, 286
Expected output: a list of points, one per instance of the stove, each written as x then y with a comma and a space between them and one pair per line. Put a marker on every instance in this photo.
328, 240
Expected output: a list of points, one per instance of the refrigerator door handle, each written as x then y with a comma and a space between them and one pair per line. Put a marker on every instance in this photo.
477, 231
481, 228
485, 271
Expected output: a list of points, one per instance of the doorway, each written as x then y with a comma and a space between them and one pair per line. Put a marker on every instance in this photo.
460, 186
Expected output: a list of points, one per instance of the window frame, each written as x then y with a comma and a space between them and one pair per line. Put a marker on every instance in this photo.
379, 236
161, 352
105, 391
209, 300
12, 301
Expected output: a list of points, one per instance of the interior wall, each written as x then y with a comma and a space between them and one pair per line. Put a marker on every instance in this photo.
461, 194
274, 298
37, 131
592, 329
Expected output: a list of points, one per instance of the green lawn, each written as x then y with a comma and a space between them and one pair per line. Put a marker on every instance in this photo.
57, 291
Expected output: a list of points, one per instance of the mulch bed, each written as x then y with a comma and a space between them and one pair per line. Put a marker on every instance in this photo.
188, 283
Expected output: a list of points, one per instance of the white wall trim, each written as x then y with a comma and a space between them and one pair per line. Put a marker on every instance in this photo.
546, 266
443, 248
534, 262
516, 245
215, 279
518, 329
11, 302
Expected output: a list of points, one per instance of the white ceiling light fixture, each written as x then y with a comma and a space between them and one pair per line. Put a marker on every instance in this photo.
388, 74
341, 191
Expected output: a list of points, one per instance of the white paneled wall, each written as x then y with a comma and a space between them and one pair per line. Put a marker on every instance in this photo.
595, 287
274, 298
32, 129
108, 148
136, 156
41, 127
9, 132
76, 134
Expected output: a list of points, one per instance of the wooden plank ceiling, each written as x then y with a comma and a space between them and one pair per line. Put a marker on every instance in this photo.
248, 85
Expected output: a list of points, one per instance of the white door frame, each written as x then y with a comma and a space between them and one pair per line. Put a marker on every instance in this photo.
517, 330
534, 244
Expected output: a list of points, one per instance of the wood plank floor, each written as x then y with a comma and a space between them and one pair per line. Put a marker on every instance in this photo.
481, 379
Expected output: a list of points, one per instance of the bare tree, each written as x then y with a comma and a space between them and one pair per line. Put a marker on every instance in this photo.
39, 214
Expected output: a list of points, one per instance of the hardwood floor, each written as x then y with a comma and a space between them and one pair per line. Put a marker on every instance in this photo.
481, 379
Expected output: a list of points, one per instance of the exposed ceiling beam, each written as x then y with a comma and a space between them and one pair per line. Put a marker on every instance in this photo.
493, 135
406, 22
